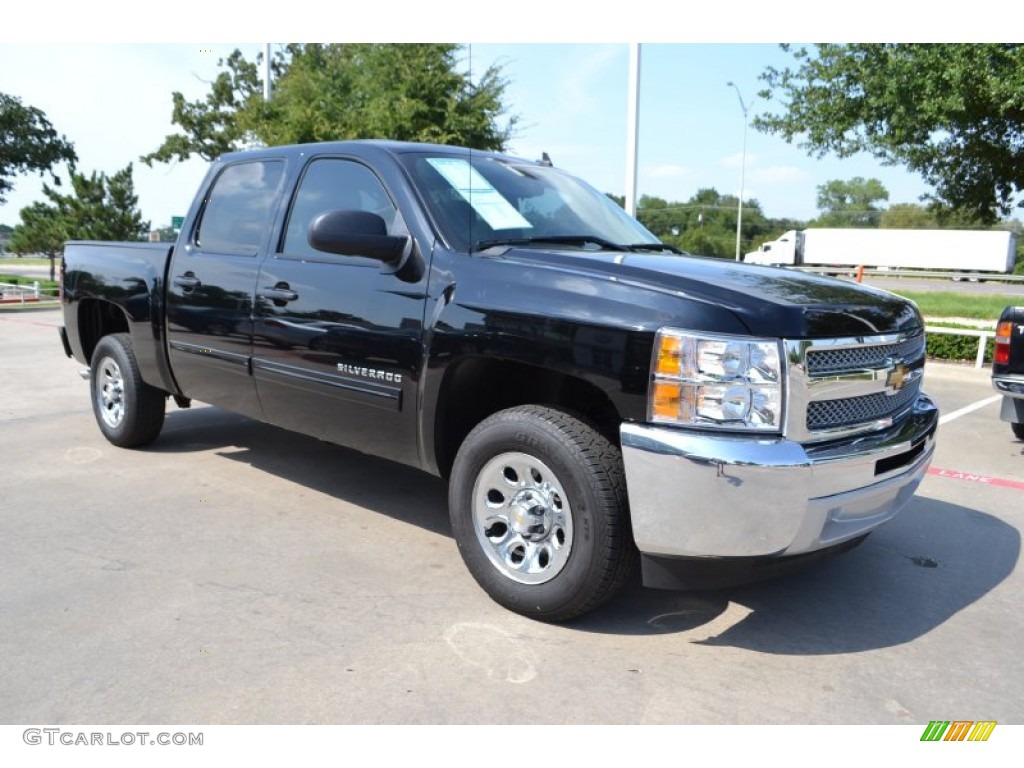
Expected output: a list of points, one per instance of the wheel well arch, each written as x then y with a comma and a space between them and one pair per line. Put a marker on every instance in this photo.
98, 318
476, 387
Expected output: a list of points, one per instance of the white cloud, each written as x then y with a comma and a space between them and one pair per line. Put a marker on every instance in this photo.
734, 161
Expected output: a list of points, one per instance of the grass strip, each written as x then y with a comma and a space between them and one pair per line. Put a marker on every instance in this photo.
949, 304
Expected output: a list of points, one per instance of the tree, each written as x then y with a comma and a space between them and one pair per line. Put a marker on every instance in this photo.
27, 143
850, 203
705, 224
408, 92
658, 216
5, 235
40, 231
907, 216
953, 113
99, 208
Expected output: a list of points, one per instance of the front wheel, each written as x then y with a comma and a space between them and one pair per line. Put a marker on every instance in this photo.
128, 411
1018, 431
539, 511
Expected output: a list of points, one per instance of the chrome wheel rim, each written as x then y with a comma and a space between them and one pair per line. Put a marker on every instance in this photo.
110, 392
522, 518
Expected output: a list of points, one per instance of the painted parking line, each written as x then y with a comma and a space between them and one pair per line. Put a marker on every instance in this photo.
21, 321
953, 474
968, 409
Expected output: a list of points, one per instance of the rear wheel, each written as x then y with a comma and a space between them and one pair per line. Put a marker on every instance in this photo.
129, 412
538, 508
1018, 431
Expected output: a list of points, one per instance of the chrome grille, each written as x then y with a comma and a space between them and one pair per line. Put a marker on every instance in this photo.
849, 386
830, 414
822, 361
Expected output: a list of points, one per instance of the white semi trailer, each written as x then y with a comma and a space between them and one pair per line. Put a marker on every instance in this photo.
947, 250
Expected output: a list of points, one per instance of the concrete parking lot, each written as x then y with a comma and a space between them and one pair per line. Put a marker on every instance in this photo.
237, 573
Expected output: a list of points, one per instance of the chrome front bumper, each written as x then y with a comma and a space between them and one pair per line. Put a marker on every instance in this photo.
700, 494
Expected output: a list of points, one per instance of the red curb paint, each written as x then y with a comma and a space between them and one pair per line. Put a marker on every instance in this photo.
952, 474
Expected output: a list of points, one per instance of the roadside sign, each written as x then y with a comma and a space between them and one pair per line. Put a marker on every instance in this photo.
177, 222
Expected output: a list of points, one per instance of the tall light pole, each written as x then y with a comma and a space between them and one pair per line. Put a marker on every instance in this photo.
266, 73
743, 169
632, 127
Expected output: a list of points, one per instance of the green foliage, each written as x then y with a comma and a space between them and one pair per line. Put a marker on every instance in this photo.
950, 304
947, 346
952, 112
705, 224
28, 143
708, 243
850, 203
41, 231
47, 285
907, 216
26, 261
916, 216
99, 208
407, 92
1017, 227
211, 126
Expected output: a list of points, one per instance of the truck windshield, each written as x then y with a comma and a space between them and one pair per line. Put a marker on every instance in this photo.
482, 201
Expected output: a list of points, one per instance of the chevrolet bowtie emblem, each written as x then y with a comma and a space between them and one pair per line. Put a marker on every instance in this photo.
897, 377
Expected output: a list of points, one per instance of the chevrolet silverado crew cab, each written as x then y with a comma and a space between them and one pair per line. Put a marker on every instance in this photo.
593, 397
1008, 368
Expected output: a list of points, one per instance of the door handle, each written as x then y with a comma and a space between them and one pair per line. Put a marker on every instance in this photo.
281, 292
188, 281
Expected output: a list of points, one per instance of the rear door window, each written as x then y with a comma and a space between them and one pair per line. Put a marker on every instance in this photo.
238, 209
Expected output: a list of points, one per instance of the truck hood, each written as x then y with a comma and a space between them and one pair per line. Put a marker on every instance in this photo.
768, 301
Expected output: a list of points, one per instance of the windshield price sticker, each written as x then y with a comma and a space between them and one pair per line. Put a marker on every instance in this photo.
483, 198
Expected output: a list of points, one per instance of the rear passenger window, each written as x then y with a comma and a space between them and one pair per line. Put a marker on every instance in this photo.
333, 184
238, 210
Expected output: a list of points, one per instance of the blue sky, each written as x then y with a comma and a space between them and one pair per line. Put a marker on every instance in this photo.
113, 100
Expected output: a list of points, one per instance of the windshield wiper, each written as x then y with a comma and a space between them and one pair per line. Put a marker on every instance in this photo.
605, 245
652, 247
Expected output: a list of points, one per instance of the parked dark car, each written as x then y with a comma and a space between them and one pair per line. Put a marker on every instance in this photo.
1008, 368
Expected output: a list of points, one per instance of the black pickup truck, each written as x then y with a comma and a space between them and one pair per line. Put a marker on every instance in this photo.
1008, 368
593, 397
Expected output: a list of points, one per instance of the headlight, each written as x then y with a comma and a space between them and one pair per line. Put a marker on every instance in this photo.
722, 382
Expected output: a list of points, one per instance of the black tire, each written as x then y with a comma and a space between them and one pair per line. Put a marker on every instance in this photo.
1018, 431
538, 506
129, 412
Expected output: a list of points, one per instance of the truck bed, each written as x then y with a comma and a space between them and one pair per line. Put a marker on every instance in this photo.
126, 275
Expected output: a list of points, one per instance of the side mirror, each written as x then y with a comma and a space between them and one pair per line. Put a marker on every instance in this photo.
358, 233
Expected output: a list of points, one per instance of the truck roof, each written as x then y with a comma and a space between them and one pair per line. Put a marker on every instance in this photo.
357, 146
